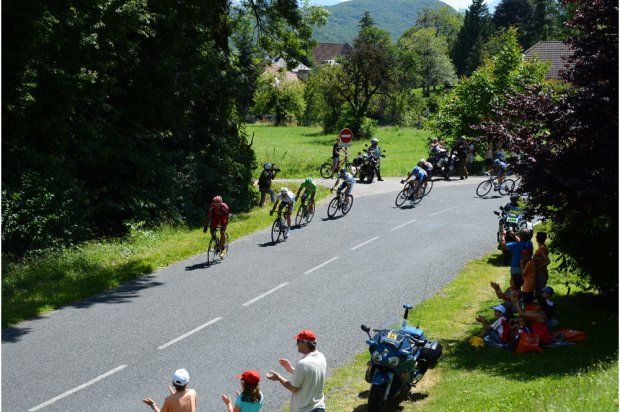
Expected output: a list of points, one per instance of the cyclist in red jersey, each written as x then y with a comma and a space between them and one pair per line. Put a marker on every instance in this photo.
218, 214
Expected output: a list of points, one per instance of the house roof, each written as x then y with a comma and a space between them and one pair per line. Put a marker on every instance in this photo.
555, 52
275, 69
328, 51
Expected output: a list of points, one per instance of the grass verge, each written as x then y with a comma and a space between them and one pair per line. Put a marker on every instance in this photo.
581, 377
300, 151
35, 286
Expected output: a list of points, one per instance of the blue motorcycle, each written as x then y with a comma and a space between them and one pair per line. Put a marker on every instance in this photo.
398, 360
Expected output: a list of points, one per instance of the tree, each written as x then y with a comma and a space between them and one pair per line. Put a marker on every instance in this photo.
514, 13
431, 49
444, 20
324, 102
468, 48
367, 70
563, 133
280, 97
366, 20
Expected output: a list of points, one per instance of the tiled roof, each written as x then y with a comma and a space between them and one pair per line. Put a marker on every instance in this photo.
275, 70
328, 51
555, 52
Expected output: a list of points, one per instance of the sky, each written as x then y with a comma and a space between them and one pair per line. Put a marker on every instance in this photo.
456, 4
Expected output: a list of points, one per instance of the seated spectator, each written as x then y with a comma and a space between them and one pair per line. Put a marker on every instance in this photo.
250, 399
506, 295
517, 327
181, 398
499, 330
542, 255
536, 320
548, 307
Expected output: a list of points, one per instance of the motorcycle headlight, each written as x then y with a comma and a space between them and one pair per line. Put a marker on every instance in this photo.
376, 356
393, 361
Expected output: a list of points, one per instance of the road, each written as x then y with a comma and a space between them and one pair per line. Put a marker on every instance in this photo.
108, 352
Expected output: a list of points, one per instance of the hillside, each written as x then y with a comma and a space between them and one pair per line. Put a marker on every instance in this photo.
395, 16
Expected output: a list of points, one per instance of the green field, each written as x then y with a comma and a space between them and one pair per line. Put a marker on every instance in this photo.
300, 151
581, 377
47, 282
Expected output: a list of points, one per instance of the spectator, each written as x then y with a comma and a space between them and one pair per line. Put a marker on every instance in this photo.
499, 330
516, 248
181, 399
434, 145
488, 159
308, 379
542, 255
264, 183
536, 320
506, 297
470, 156
250, 399
549, 307
528, 272
336, 149
462, 150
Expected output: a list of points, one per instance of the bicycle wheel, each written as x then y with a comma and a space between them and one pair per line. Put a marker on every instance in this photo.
326, 170
417, 198
429, 187
299, 217
507, 187
275, 230
211, 255
348, 204
401, 198
310, 212
224, 251
332, 208
484, 188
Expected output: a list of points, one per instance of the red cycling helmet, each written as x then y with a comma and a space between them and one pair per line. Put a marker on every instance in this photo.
217, 199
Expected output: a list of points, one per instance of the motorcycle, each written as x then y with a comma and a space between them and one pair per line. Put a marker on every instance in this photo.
398, 360
443, 163
366, 165
510, 223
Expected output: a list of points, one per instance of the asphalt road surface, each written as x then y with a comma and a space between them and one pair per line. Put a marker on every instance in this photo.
109, 352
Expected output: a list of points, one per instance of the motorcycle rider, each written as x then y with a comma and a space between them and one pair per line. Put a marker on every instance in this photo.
418, 174
309, 190
375, 151
511, 207
286, 199
347, 182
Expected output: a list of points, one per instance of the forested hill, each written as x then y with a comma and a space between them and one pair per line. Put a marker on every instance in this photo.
395, 16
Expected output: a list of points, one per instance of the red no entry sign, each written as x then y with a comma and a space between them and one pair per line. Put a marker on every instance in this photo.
346, 136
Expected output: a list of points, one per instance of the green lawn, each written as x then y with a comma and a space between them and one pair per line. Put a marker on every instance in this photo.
582, 377
300, 151
39, 285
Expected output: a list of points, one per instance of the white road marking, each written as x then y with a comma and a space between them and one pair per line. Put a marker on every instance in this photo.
249, 302
443, 211
403, 225
365, 243
185, 335
321, 265
77, 388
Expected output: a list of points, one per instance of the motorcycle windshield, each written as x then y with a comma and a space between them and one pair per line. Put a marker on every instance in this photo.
400, 324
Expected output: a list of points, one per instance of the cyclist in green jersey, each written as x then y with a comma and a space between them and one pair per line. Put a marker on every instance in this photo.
309, 189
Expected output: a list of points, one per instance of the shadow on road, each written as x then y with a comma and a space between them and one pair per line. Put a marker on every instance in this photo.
203, 265
267, 244
395, 405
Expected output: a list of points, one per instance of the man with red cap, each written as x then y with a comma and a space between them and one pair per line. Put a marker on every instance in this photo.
306, 384
250, 399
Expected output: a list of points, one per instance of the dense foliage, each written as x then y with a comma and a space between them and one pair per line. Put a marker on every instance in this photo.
569, 140
282, 98
468, 49
117, 112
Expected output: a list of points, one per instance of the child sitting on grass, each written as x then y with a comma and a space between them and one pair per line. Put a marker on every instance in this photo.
499, 330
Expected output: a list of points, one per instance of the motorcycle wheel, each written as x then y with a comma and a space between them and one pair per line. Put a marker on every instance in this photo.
332, 208
375, 398
370, 177
326, 171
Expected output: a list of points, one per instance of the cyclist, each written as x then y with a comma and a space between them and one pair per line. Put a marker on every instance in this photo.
500, 170
286, 199
419, 175
375, 151
428, 168
309, 189
218, 214
347, 182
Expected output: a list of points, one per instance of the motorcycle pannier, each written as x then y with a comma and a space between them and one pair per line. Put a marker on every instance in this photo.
431, 352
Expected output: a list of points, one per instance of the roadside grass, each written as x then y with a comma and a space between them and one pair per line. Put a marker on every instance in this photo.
38, 285
581, 377
300, 151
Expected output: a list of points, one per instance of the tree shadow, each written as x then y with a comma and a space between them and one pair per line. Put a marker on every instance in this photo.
598, 321
497, 260
394, 405
14, 333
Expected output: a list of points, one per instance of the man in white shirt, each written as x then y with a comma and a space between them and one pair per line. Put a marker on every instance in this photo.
306, 384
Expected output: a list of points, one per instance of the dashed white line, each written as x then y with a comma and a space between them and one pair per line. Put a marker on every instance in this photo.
403, 225
77, 388
443, 211
321, 265
185, 335
365, 243
249, 302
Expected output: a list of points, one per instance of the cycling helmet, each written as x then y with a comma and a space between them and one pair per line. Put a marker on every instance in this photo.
217, 199
497, 162
267, 166
422, 161
374, 140
284, 190
308, 180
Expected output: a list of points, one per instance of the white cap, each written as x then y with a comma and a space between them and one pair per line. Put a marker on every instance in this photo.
501, 308
180, 377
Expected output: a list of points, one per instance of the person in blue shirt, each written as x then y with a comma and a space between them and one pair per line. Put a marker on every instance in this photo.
517, 248
250, 399
501, 168
417, 174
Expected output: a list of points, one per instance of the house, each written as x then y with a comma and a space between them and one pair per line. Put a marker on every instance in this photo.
556, 52
327, 53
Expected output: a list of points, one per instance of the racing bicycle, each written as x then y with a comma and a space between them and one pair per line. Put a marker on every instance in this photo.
506, 188
343, 202
216, 250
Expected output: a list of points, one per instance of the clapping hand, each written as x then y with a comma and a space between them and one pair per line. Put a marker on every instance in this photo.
286, 364
226, 399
